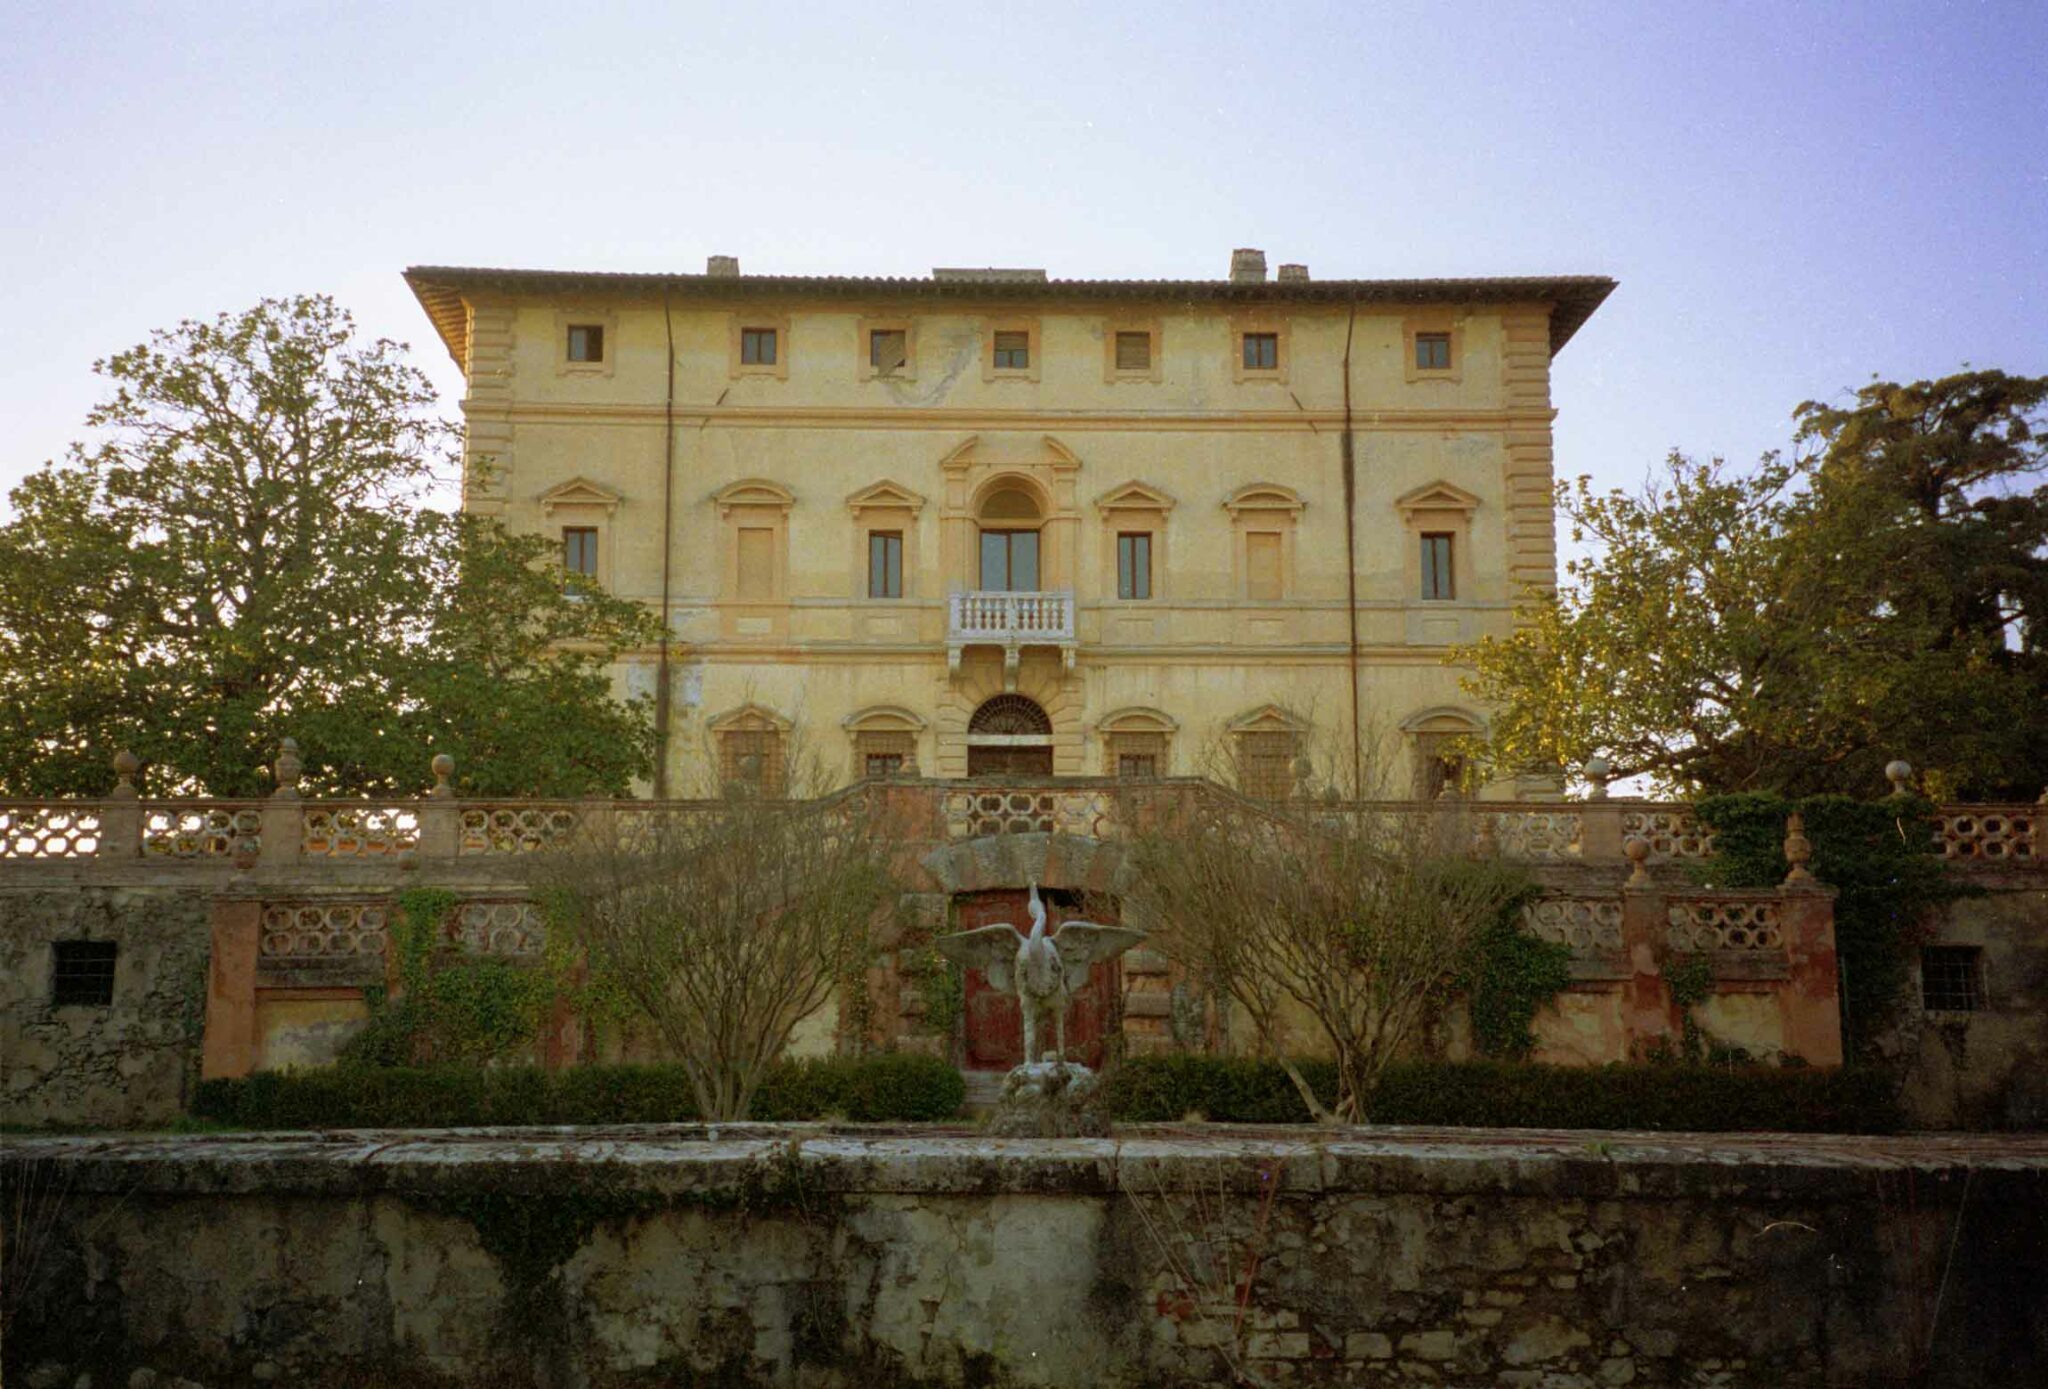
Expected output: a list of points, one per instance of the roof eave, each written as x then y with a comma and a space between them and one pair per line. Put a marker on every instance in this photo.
443, 291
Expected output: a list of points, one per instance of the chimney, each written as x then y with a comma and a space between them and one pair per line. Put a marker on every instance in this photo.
1247, 266
1294, 274
724, 267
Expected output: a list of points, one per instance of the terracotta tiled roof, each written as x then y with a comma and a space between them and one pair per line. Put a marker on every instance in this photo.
442, 288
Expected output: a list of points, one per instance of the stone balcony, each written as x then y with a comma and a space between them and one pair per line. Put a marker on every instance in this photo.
1010, 621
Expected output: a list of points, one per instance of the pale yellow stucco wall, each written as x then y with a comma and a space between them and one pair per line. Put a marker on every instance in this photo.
819, 652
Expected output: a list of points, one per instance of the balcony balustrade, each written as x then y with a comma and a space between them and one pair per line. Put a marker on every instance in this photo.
1011, 621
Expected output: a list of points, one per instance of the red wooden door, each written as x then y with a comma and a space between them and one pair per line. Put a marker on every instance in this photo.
994, 1022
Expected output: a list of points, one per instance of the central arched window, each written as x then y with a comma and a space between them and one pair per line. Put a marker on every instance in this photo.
1011, 714
1009, 520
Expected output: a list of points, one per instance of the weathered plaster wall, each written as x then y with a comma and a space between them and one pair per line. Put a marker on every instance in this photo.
1988, 1068
817, 649
130, 1062
793, 1257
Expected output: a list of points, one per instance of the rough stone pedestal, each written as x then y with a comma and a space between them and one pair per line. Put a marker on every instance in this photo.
1049, 1099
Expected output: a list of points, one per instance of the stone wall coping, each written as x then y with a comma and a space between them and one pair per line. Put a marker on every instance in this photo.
681, 1160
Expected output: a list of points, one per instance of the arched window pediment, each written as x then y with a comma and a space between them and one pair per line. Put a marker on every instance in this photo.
1264, 496
883, 718
753, 491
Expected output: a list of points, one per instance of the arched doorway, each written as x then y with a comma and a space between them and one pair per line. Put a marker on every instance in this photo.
1009, 735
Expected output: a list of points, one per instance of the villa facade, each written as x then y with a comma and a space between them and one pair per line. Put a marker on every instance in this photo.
987, 522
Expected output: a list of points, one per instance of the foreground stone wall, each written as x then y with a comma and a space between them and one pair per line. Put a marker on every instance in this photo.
131, 1062
786, 1257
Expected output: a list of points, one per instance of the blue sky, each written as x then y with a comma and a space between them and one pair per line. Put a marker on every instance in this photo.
1794, 197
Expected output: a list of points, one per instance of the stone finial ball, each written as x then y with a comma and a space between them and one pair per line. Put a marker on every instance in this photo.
1598, 767
126, 763
443, 765
1636, 849
1898, 773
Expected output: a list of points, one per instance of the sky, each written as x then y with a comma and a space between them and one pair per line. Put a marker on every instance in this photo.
1794, 197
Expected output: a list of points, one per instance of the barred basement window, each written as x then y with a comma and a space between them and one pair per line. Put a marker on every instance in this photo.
752, 760
586, 342
757, 347
883, 751
82, 975
1951, 978
1133, 351
1265, 765
1432, 351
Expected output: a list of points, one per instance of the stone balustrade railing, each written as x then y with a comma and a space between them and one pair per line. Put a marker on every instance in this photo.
288, 830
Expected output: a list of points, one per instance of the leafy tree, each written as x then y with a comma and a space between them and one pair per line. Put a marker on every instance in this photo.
246, 554
1884, 594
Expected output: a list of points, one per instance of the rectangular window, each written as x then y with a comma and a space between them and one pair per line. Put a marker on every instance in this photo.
83, 973
1134, 564
1013, 351
757, 347
888, 349
586, 342
1009, 561
885, 564
1137, 766
1951, 978
1261, 351
884, 752
1265, 765
1134, 352
579, 550
757, 563
753, 760
1262, 565
1432, 351
1436, 567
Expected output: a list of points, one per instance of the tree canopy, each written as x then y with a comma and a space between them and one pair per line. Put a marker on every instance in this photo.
1882, 594
245, 553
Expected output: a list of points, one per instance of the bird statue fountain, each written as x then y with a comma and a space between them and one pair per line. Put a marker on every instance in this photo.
1043, 1097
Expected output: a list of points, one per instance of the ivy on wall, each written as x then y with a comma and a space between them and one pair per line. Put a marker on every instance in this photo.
941, 988
1882, 859
1512, 975
449, 1009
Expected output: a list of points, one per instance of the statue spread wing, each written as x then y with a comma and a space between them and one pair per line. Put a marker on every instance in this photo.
1082, 943
992, 949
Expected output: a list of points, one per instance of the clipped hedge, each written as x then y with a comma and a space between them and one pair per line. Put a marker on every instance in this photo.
872, 1089
1498, 1094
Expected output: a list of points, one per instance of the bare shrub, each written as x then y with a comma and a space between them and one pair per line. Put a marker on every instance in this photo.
722, 924
1356, 917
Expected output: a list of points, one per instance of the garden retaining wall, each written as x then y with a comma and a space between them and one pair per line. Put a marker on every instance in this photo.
816, 1257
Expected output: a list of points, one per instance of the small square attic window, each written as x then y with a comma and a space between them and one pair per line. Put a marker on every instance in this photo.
586, 342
